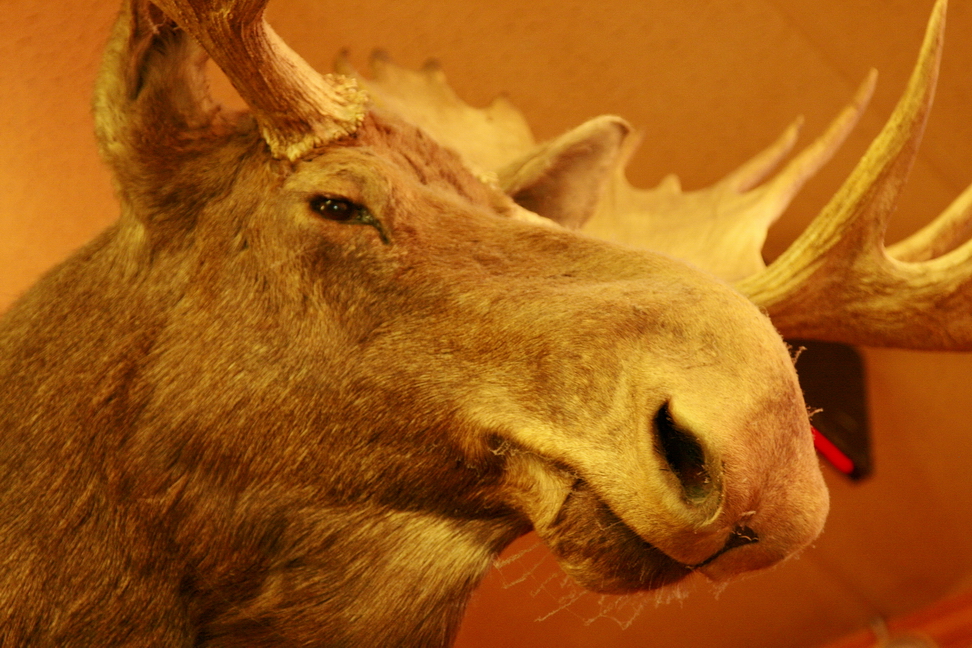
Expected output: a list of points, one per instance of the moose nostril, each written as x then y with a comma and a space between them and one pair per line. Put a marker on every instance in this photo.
684, 455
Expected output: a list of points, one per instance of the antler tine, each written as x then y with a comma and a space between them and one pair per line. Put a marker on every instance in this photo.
296, 108
838, 282
953, 226
755, 170
786, 184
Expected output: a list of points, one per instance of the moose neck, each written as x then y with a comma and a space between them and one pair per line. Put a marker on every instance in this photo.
419, 588
377, 578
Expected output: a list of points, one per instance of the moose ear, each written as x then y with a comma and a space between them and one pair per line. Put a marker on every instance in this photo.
565, 178
152, 91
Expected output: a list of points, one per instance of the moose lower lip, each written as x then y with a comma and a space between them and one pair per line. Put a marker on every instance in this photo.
666, 570
602, 553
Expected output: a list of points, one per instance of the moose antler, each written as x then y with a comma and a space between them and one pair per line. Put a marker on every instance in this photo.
729, 218
296, 108
487, 138
838, 281
722, 228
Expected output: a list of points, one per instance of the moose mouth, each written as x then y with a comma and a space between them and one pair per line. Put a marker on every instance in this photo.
602, 553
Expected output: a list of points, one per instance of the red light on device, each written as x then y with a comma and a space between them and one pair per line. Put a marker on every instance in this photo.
832, 453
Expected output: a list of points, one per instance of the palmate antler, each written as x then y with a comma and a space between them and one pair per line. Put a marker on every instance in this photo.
296, 108
487, 138
837, 281
722, 228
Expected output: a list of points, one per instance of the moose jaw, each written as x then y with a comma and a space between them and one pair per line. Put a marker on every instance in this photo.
316, 331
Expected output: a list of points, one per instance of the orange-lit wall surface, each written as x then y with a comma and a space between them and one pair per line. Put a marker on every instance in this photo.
708, 83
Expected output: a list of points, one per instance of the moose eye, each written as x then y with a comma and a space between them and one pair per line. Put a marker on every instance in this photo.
336, 209
345, 211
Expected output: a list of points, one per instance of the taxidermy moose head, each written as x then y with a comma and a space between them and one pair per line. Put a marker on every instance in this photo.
323, 370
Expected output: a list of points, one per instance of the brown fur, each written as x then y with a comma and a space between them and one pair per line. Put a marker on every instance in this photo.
228, 421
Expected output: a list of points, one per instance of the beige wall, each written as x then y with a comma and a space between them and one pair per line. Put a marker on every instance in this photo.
709, 83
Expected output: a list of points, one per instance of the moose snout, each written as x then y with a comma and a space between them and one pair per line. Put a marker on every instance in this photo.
720, 514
